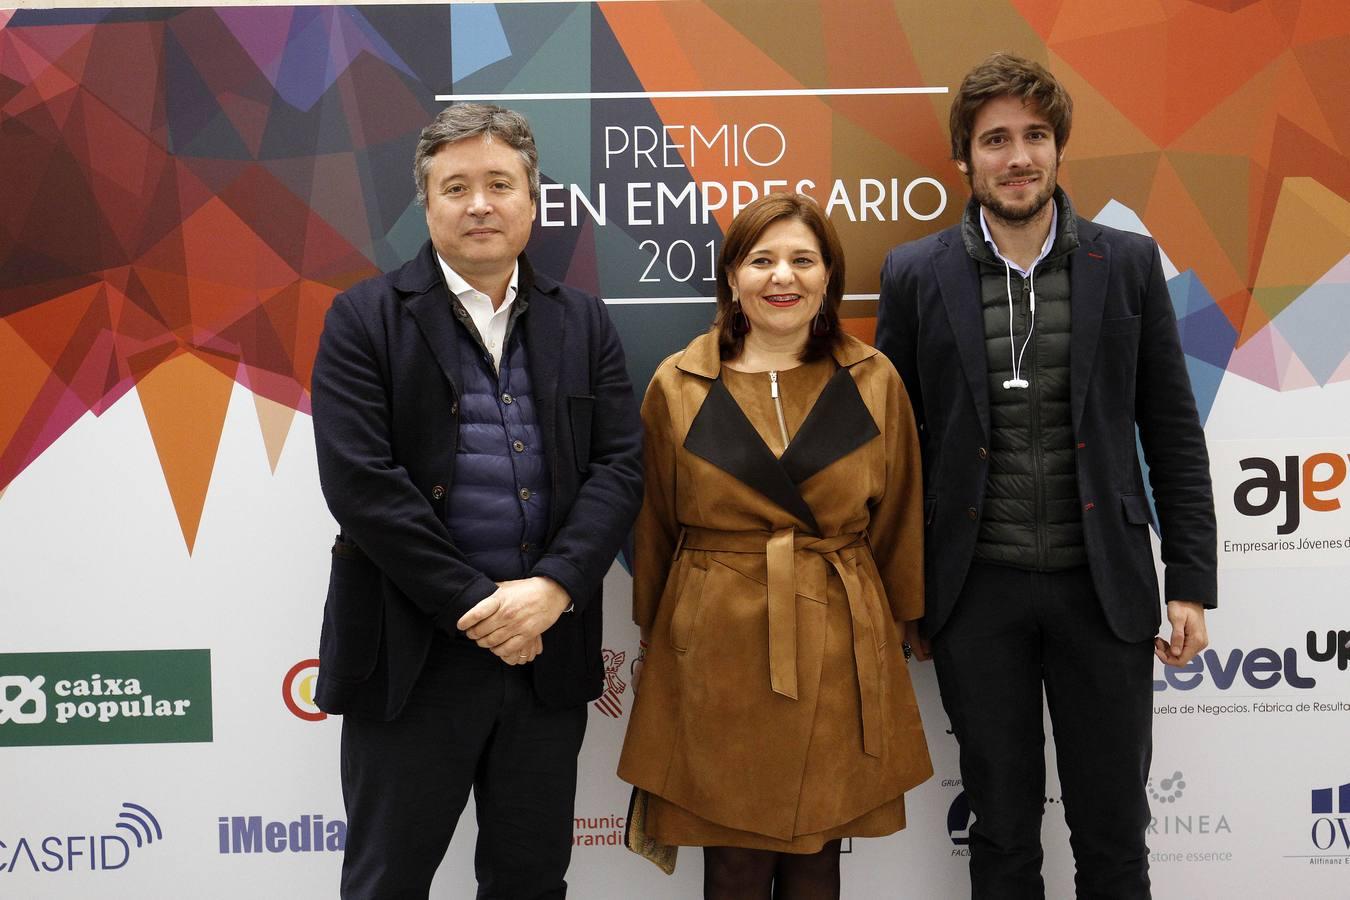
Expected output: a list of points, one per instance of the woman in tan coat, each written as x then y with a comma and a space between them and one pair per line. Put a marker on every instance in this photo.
778, 565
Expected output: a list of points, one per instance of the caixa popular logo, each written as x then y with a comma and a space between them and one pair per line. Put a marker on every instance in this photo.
135, 829
1261, 668
105, 697
1330, 808
1309, 483
310, 833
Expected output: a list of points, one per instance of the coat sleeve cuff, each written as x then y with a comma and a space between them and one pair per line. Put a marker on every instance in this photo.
1193, 585
567, 575
470, 596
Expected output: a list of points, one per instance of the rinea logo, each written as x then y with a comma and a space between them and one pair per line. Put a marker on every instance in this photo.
53, 853
608, 702
297, 691
254, 834
1182, 836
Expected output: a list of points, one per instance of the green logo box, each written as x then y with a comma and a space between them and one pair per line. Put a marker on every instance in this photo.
105, 697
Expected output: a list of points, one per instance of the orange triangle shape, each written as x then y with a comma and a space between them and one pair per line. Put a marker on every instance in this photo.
185, 400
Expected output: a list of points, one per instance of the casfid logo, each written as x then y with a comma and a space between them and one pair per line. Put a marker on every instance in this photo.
1299, 485
254, 834
53, 853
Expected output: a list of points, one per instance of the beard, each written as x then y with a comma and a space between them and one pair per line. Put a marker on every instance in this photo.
1022, 213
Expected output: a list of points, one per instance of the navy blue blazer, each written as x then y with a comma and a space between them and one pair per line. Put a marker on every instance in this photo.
1126, 370
386, 427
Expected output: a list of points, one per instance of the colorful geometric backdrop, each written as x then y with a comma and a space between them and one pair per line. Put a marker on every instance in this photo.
186, 190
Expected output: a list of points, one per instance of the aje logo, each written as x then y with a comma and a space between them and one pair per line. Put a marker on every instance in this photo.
95, 852
1303, 483
105, 697
297, 691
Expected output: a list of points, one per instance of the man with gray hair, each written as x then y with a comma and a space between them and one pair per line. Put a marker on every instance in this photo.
479, 446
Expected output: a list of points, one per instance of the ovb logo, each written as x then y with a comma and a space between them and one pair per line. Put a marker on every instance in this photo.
1330, 830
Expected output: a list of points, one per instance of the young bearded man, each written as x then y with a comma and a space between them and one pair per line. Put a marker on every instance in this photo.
479, 446
1034, 345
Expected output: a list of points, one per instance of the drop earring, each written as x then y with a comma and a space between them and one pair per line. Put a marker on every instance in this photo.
740, 322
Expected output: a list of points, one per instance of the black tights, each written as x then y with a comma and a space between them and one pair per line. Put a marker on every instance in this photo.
733, 873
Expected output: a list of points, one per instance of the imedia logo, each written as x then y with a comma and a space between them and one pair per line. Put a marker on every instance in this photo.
53, 853
254, 834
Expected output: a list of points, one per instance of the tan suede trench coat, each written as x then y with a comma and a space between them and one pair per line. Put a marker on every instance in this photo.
775, 699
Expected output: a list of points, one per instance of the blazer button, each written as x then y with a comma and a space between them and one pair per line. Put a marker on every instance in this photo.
518, 446
454, 408
508, 399
973, 513
438, 492
982, 453
526, 547
524, 493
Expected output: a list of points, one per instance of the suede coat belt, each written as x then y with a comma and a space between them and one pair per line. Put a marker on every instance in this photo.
780, 549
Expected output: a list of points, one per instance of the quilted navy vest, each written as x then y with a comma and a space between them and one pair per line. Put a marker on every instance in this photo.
499, 497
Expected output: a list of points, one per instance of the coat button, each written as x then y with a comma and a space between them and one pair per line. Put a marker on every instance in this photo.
524, 493
508, 399
982, 453
526, 547
438, 492
973, 513
461, 312
518, 446
454, 408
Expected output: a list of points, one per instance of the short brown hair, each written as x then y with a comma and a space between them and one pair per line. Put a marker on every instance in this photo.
745, 230
1006, 75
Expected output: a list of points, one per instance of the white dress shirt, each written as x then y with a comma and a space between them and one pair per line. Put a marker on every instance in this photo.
491, 323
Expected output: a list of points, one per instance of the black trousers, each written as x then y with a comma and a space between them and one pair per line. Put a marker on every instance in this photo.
1013, 634
471, 722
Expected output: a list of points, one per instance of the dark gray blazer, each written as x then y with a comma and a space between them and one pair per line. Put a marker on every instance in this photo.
1127, 369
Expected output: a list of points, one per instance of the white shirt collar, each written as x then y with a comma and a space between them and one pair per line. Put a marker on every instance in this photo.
465, 291
1045, 248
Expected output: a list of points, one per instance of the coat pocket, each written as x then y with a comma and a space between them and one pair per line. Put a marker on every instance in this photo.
685, 616
1121, 325
353, 616
580, 409
1135, 509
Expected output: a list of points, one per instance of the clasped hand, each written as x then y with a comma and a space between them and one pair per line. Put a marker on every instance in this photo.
511, 621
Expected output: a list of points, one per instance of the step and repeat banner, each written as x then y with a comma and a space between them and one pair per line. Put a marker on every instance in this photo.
183, 191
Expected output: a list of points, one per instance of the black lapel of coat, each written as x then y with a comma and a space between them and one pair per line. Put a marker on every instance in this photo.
428, 301
545, 338
838, 424
722, 435
958, 278
1088, 270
